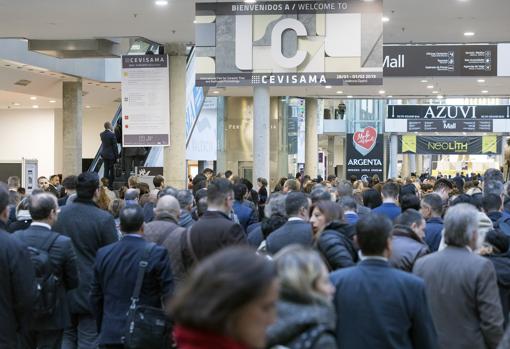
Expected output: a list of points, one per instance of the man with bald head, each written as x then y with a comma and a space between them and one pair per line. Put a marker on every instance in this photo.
165, 231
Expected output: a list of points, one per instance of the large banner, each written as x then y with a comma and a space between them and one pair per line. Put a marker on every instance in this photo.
449, 145
448, 112
365, 153
289, 43
203, 142
145, 101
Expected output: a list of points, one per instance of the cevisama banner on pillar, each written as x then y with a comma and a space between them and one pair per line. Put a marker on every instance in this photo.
145, 101
413, 144
365, 153
289, 43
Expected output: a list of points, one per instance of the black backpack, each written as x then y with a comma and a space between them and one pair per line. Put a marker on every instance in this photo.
503, 225
47, 281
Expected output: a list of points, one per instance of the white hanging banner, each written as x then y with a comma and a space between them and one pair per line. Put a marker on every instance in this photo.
145, 101
203, 144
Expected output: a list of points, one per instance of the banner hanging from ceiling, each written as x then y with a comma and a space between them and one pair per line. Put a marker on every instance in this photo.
448, 112
145, 101
449, 145
365, 153
289, 43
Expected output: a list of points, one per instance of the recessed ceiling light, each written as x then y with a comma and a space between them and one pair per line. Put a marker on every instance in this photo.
430, 86
53, 101
339, 92
349, 96
195, 21
33, 98
381, 92
327, 86
469, 34
439, 97
87, 106
390, 96
161, 2
481, 81
216, 92
250, 1
16, 104
485, 91
35, 107
424, 81
385, 19
435, 92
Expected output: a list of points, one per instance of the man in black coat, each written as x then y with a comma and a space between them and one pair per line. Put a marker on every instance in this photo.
298, 229
214, 230
47, 332
109, 151
89, 228
115, 274
18, 287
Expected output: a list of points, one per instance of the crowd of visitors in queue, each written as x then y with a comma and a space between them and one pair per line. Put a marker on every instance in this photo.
407, 263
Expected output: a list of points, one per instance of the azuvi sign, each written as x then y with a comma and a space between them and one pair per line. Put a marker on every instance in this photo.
289, 43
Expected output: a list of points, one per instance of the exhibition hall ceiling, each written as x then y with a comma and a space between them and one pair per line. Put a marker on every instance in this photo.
416, 21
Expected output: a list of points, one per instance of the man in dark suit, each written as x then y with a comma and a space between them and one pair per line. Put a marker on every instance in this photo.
389, 208
462, 286
214, 230
115, 274
90, 228
69, 184
243, 212
432, 210
109, 151
47, 332
18, 286
298, 229
379, 306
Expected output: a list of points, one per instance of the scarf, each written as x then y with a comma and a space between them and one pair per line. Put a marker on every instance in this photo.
188, 338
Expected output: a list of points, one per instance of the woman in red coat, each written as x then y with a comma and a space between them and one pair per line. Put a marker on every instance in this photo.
227, 302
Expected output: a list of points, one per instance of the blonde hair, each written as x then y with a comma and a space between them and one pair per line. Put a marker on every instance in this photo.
299, 269
133, 182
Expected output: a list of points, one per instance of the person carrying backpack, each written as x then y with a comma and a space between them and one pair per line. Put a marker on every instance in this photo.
56, 272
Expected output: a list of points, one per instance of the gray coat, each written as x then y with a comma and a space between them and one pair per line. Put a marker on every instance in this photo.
407, 247
463, 295
303, 324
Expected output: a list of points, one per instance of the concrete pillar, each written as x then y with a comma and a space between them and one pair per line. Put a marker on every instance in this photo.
221, 162
311, 138
404, 173
283, 143
331, 155
412, 163
261, 133
419, 165
393, 157
72, 120
174, 156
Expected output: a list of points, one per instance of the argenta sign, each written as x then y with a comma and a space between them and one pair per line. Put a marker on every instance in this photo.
448, 112
289, 43
365, 153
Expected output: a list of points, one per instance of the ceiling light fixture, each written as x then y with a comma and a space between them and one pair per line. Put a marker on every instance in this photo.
469, 34
216, 92
439, 97
385, 19
87, 106
485, 91
435, 92
161, 2
35, 107
250, 1
33, 98
53, 101
381, 92
339, 92
430, 86
390, 96
16, 104
327, 86
349, 96
481, 81
424, 81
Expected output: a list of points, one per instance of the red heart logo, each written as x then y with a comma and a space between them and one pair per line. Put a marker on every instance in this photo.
364, 141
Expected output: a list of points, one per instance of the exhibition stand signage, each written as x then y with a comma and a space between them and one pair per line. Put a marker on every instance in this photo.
289, 43
145, 101
449, 145
365, 153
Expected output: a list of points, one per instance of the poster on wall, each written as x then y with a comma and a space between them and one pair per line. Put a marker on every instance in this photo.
449, 145
145, 101
365, 153
203, 143
289, 43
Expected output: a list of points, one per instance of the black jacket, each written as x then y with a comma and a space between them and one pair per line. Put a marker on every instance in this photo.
89, 228
212, 232
407, 248
292, 232
115, 273
64, 265
18, 225
501, 262
303, 323
17, 289
336, 245
109, 149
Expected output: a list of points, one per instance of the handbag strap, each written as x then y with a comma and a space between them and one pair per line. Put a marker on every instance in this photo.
142, 266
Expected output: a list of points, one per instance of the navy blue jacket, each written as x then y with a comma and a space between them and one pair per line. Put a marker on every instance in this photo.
109, 149
389, 210
433, 234
292, 232
114, 280
244, 214
381, 307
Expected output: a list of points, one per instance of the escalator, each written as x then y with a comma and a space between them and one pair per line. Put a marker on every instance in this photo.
195, 97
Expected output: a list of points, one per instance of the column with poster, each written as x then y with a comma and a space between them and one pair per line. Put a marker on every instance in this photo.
145, 101
365, 153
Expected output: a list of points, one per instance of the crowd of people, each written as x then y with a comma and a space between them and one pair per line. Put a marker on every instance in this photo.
417, 262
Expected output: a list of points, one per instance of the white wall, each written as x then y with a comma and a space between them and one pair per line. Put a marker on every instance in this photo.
37, 134
29, 134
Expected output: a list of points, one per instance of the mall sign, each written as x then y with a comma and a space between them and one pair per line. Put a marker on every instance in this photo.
289, 43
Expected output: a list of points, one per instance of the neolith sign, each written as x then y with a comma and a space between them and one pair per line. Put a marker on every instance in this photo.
449, 112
